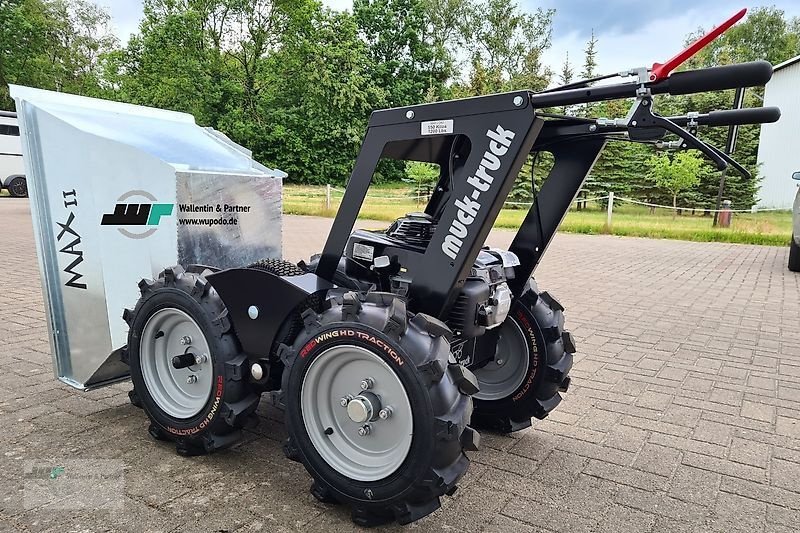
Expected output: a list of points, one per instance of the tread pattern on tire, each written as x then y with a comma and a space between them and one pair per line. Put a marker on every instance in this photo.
559, 347
238, 409
386, 313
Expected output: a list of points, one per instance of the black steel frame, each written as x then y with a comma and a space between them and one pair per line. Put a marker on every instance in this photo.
478, 169
397, 134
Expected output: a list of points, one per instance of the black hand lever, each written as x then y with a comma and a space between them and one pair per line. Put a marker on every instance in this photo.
641, 117
732, 162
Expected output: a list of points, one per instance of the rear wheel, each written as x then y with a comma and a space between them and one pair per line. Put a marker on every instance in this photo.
375, 411
794, 256
530, 365
187, 371
18, 187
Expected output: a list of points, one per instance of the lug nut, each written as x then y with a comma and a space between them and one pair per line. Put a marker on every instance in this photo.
364, 430
344, 401
191, 379
499, 362
200, 359
385, 413
257, 371
367, 383
186, 340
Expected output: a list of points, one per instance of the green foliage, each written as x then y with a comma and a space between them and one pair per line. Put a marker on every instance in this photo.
53, 44
764, 34
506, 46
675, 173
422, 173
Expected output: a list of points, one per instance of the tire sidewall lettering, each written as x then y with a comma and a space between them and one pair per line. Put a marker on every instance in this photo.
338, 334
209, 418
524, 320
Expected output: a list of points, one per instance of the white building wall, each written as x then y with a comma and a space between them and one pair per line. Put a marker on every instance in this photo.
779, 148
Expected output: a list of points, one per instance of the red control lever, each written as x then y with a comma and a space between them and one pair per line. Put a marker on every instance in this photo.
661, 71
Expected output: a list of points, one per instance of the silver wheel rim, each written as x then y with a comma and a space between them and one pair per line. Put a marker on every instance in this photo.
335, 374
169, 386
506, 373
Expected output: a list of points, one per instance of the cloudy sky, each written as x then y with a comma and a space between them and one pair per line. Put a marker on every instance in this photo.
631, 33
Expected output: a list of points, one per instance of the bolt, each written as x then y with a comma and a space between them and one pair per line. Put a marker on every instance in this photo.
252, 312
186, 340
368, 493
367, 383
633, 123
593, 127
191, 379
344, 401
200, 359
257, 371
385, 413
409, 114
645, 103
499, 362
364, 430
518, 101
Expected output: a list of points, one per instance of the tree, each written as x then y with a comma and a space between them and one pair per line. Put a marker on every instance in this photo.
565, 77
506, 46
53, 44
675, 174
407, 61
764, 34
590, 58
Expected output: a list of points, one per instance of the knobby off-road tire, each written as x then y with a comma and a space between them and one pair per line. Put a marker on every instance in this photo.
199, 417
411, 458
794, 256
535, 356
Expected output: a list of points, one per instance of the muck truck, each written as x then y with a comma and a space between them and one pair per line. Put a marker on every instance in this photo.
160, 243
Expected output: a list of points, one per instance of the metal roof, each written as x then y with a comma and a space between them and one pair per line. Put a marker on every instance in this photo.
787, 63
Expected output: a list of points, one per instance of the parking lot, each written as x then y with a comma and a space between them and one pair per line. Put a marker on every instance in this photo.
682, 416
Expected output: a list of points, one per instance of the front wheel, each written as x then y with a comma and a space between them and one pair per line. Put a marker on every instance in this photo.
187, 371
375, 410
18, 187
528, 367
794, 255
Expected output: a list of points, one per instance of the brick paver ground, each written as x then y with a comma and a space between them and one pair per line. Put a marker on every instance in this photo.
683, 414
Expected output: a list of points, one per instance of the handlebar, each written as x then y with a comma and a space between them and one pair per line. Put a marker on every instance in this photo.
716, 78
732, 117
691, 81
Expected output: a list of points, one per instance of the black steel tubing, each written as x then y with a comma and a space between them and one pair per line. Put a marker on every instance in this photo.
690, 81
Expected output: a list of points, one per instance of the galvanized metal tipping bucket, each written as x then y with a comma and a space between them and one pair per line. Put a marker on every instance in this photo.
120, 192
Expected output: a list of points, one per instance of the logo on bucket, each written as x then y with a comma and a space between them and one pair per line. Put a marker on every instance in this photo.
128, 213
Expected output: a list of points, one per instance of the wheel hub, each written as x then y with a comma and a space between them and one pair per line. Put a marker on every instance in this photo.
363, 408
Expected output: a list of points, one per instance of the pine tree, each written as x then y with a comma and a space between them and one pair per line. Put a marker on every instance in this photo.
590, 59
589, 66
566, 76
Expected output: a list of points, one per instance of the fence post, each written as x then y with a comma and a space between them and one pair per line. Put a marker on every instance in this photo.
610, 208
328, 196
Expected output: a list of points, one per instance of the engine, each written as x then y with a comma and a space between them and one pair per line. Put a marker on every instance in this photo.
386, 259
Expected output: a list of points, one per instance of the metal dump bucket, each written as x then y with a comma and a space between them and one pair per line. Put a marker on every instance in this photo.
119, 192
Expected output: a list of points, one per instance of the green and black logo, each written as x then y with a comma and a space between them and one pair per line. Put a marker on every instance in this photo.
127, 213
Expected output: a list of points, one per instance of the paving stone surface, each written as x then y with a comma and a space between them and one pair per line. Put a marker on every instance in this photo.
682, 416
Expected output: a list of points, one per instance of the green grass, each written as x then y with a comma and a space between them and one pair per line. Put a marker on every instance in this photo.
388, 202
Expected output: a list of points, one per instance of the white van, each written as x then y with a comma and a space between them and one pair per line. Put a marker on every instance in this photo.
12, 172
